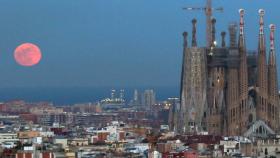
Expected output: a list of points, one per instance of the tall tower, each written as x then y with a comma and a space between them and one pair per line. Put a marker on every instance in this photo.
262, 88
178, 124
232, 90
193, 88
216, 93
243, 76
273, 106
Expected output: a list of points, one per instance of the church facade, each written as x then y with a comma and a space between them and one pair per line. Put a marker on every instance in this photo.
227, 90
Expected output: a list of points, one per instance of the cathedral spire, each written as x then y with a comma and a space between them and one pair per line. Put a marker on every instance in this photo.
185, 36
261, 33
262, 75
272, 60
273, 82
262, 63
243, 72
272, 70
261, 13
194, 42
185, 45
241, 24
213, 43
241, 40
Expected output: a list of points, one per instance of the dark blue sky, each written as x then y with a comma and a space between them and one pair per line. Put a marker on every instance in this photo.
123, 43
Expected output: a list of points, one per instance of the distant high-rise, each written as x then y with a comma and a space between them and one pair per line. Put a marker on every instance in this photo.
136, 100
136, 96
113, 94
149, 98
122, 94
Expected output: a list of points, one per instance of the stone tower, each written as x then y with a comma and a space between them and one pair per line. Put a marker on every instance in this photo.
243, 77
232, 90
262, 82
273, 105
193, 88
216, 89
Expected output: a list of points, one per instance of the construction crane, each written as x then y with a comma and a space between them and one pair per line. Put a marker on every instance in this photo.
208, 12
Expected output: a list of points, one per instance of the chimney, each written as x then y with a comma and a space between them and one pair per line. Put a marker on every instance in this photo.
194, 42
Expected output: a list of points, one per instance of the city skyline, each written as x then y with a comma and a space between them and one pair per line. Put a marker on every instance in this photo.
145, 79
112, 43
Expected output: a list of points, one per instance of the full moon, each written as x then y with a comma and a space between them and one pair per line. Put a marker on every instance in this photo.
27, 54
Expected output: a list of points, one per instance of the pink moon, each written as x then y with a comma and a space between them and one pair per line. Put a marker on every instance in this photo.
27, 54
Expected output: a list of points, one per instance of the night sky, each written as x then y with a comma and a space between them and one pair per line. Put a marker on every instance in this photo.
124, 43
